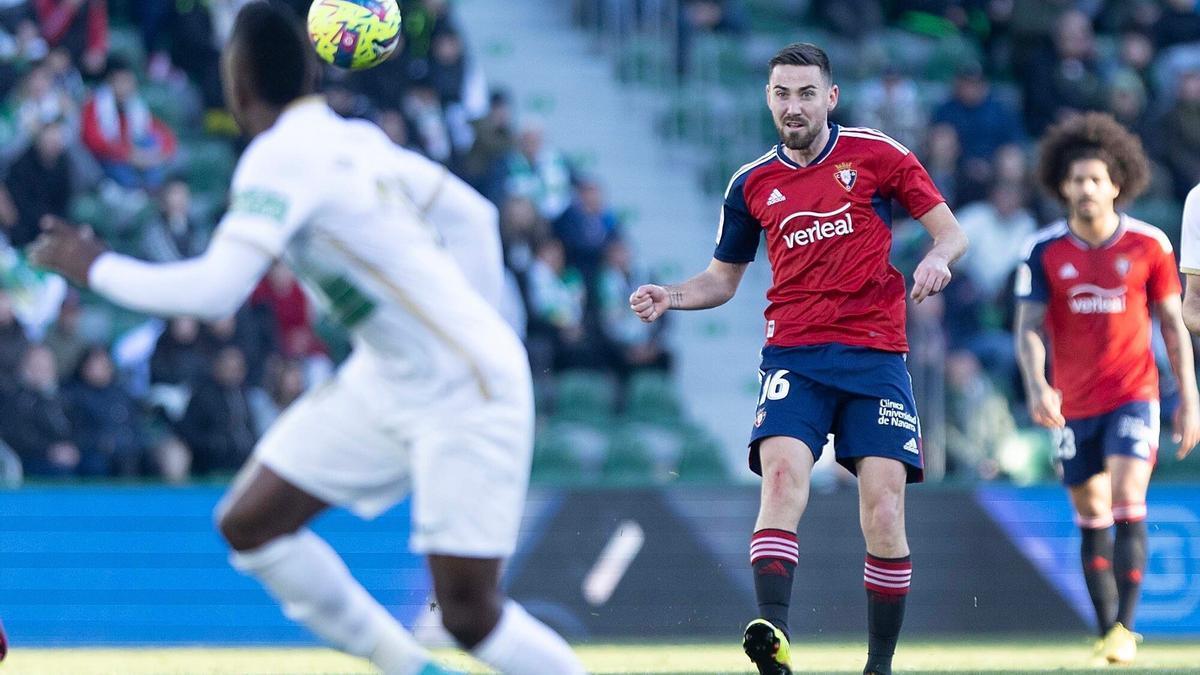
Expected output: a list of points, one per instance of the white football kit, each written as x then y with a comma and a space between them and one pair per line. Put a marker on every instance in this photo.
1189, 245
436, 397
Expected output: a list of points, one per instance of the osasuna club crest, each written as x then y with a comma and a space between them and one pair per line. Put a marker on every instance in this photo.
1123, 265
846, 175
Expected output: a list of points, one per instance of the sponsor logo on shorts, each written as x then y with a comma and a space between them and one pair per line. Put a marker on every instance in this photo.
911, 446
893, 414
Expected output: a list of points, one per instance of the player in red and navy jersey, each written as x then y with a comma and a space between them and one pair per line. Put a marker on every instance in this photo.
834, 358
1089, 286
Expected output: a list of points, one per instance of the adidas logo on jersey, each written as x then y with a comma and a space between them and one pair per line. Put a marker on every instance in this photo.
776, 197
911, 446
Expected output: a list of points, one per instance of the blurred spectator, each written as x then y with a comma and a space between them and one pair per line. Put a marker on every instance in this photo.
540, 173
79, 25
252, 330
557, 297
1179, 134
853, 18
179, 357
704, 16
280, 294
285, 383
892, 102
40, 183
35, 422
1136, 56
982, 122
1178, 23
483, 167
195, 47
64, 338
978, 421
521, 228
174, 232
997, 229
105, 420
218, 426
393, 123
1128, 104
133, 147
421, 105
13, 344
586, 228
941, 160
1064, 77
38, 101
631, 343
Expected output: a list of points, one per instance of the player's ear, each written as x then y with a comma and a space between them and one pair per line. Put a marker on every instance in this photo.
833, 96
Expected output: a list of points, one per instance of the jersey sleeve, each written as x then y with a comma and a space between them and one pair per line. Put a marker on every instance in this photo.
910, 184
1189, 246
272, 196
1164, 280
738, 231
1031, 284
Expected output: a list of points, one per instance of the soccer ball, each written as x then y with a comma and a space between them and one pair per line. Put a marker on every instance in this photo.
354, 34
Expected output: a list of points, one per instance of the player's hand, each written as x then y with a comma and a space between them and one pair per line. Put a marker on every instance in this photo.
1045, 407
67, 249
931, 276
649, 302
1186, 427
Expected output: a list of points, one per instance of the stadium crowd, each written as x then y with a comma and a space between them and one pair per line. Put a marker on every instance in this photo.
113, 115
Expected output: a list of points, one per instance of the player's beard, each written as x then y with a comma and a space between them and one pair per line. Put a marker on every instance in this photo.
799, 139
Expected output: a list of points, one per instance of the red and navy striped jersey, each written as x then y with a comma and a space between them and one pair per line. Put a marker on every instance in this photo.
828, 231
1098, 302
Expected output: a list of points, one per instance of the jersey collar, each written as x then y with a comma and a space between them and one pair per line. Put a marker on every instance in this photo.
833, 138
1112, 239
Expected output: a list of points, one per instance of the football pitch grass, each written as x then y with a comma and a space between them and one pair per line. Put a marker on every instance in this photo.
916, 656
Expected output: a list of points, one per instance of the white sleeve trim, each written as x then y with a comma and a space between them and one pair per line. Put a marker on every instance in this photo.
211, 286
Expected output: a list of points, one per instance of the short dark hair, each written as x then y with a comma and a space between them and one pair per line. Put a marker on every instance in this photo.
802, 54
1093, 135
277, 57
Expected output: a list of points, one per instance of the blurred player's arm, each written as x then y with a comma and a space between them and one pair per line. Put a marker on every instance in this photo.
1189, 260
1045, 403
210, 286
711, 288
1186, 428
949, 244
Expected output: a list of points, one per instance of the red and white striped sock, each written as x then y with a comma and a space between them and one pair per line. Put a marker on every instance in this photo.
774, 555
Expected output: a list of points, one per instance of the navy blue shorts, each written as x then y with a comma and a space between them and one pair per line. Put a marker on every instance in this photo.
1130, 430
862, 396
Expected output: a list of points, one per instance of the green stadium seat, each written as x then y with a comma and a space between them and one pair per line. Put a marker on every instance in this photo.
567, 452
652, 397
643, 453
584, 396
701, 458
209, 164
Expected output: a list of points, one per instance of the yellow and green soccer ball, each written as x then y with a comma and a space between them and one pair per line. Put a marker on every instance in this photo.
354, 34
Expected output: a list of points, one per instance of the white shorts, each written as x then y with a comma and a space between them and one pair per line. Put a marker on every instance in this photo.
360, 443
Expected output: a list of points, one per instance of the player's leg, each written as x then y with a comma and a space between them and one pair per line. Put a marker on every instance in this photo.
1130, 479
498, 632
3, 643
791, 424
887, 571
1080, 458
264, 521
470, 472
786, 464
878, 438
330, 447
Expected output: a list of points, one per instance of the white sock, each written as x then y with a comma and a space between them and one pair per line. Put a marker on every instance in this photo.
314, 587
522, 645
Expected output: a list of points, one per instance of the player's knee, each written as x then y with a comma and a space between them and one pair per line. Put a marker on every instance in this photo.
242, 531
470, 617
883, 517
